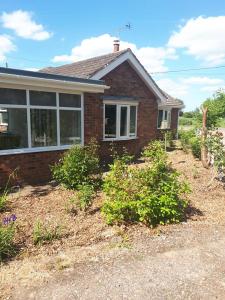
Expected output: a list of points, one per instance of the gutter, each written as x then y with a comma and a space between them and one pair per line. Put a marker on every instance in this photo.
38, 79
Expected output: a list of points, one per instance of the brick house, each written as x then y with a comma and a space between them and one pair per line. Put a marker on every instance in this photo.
109, 97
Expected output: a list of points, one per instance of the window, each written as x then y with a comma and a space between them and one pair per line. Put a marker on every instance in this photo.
13, 134
43, 127
3, 117
164, 119
12, 96
70, 127
39, 120
120, 121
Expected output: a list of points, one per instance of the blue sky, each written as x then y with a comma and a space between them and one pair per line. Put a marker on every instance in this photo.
166, 35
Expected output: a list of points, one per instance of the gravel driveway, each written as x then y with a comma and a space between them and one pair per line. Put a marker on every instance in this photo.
167, 266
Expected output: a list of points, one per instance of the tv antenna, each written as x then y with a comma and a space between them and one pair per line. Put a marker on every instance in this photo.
123, 28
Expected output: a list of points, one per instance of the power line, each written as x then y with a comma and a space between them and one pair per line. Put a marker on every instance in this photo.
187, 70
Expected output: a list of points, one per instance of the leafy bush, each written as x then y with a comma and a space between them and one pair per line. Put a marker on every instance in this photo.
7, 247
195, 145
214, 143
43, 233
154, 151
79, 165
152, 194
83, 198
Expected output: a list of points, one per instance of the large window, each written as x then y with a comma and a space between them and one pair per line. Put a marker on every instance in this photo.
39, 120
164, 119
120, 121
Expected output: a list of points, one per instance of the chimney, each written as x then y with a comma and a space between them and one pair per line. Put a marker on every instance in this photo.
116, 45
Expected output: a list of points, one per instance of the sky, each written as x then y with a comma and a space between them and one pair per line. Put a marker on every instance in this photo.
186, 36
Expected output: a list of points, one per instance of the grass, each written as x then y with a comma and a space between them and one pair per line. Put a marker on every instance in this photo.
42, 233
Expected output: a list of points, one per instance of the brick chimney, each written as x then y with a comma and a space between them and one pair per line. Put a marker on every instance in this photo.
116, 45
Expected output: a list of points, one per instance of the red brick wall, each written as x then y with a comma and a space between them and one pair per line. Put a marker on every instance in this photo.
174, 120
123, 81
31, 167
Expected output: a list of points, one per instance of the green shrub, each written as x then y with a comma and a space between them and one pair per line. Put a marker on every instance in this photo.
79, 165
195, 145
152, 194
3, 200
7, 247
185, 136
83, 197
43, 233
154, 151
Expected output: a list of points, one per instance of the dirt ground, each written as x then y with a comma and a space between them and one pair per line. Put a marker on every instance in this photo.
96, 261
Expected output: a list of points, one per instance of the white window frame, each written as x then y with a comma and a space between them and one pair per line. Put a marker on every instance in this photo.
167, 122
118, 111
57, 108
1, 122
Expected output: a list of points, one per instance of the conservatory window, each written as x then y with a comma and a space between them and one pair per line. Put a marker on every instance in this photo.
39, 120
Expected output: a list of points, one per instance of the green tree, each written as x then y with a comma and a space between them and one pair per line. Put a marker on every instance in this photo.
216, 109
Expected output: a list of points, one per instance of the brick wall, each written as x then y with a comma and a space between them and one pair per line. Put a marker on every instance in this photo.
31, 168
124, 81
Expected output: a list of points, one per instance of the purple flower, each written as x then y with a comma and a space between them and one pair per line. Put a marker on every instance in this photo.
7, 220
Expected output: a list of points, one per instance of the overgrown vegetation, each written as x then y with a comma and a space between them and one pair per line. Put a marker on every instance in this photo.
190, 140
7, 232
45, 233
79, 165
215, 115
5, 192
152, 194
82, 198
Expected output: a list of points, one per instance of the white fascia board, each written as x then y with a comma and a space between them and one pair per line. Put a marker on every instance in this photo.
51, 83
137, 66
166, 106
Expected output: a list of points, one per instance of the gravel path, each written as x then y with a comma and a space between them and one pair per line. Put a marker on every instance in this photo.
183, 268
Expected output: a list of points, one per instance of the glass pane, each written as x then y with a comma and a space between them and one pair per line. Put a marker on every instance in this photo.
165, 115
12, 96
42, 98
133, 120
123, 121
43, 127
160, 118
13, 129
70, 127
69, 100
110, 121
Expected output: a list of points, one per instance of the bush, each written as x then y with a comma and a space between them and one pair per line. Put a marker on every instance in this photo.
191, 141
195, 145
43, 233
83, 198
154, 151
152, 194
7, 247
79, 165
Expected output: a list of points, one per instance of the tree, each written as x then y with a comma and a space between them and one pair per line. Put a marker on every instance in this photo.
216, 109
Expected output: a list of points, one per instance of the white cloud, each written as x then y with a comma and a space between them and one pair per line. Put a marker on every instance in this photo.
22, 24
173, 87
6, 46
32, 69
203, 38
203, 80
152, 58
212, 89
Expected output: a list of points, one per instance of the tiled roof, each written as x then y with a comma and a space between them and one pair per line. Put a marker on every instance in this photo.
85, 68
171, 101
88, 67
